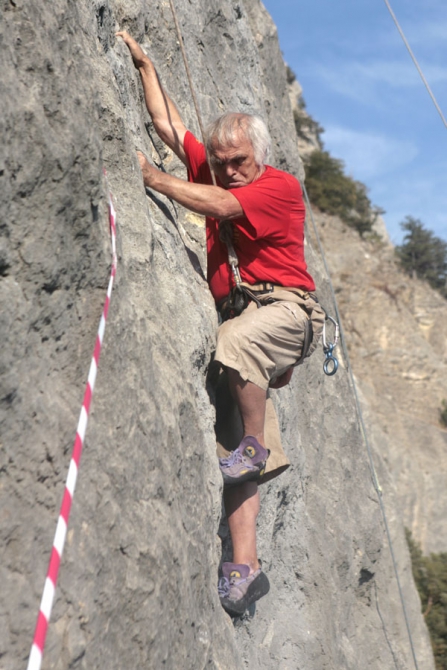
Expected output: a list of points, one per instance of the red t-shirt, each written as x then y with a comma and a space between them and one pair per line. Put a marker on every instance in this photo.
268, 239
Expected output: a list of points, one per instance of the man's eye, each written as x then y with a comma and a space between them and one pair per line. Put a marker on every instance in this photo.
240, 160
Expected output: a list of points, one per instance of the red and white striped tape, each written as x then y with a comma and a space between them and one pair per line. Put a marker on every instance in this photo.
35, 658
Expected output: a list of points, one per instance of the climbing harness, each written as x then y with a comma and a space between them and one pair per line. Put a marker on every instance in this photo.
46, 605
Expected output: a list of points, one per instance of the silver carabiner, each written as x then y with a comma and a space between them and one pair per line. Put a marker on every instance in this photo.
336, 335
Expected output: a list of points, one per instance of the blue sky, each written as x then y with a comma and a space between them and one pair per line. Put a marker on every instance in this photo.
360, 84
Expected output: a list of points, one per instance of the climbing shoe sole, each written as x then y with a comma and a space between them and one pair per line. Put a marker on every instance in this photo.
258, 588
250, 475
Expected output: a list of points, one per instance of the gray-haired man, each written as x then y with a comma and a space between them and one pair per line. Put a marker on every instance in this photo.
257, 348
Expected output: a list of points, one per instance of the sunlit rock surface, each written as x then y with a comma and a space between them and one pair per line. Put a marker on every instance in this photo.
137, 586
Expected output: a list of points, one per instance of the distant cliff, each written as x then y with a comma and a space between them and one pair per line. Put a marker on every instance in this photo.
138, 579
395, 330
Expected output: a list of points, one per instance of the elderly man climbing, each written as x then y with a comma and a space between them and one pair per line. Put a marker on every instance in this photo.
271, 318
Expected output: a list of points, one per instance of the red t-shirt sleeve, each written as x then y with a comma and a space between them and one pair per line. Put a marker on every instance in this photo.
198, 169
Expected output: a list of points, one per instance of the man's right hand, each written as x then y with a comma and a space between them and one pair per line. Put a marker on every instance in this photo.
137, 53
166, 119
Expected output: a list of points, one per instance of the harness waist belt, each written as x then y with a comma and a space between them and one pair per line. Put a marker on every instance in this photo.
268, 287
239, 297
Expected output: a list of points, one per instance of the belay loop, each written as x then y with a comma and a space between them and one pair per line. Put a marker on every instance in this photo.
330, 365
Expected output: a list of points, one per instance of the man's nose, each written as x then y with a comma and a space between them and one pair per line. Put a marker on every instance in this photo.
230, 169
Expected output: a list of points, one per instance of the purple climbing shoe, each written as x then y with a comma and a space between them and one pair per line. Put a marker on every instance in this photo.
238, 590
245, 463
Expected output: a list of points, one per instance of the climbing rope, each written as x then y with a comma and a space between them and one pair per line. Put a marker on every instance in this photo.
401, 32
226, 226
374, 477
188, 72
46, 605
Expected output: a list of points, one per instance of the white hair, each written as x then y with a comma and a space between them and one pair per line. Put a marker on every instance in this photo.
227, 129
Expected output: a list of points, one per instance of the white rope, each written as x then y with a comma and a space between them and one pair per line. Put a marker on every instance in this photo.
374, 477
416, 63
225, 227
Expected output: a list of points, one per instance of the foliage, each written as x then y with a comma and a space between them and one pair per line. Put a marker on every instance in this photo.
424, 255
328, 187
430, 576
332, 191
305, 125
443, 413
290, 75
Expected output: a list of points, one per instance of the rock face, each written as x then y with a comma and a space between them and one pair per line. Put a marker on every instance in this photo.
137, 587
395, 329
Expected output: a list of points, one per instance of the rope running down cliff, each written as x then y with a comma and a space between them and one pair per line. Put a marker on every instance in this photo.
351, 376
374, 477
226, 232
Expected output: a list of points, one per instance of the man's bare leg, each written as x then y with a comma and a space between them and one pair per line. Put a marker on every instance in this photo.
242, 502
242, 508
251, 400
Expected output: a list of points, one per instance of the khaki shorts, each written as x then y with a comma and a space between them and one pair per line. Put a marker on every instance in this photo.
261, 344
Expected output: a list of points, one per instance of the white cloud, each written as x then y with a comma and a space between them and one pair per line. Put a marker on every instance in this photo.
428, 33
368, 154
399, 73
364, 81
414, 192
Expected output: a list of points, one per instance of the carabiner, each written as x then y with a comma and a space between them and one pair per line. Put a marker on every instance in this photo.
336, 334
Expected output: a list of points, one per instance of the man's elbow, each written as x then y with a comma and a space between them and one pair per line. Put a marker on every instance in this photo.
164, 131
170, 134
227, 209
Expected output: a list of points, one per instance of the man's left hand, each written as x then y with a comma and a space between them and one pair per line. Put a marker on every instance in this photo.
149, 171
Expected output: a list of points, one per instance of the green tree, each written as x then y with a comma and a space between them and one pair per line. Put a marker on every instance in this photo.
328, 187
423, 255
430, 576
290, 75
305, 125
332, 191
443, 413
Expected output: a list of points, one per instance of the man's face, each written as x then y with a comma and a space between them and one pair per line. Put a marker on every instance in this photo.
235, 165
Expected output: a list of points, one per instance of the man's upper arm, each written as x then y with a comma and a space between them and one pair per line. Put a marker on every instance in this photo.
173, 132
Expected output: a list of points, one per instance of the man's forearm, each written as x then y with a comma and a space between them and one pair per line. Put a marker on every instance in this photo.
162, 110
200, 198
166, 119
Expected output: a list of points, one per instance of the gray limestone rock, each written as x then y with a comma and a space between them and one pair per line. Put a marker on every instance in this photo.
395, 328
137, 587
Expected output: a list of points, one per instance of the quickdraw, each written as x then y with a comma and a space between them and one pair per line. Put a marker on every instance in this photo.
330, 365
